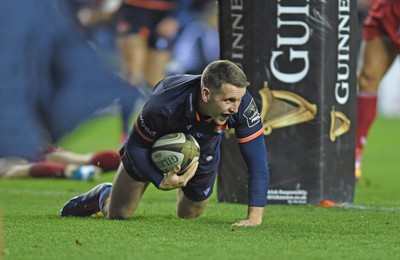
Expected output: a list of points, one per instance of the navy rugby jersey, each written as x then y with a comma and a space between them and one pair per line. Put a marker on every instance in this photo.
171, 108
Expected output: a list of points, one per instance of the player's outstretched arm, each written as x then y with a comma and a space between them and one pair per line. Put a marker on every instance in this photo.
172, 180
254, 218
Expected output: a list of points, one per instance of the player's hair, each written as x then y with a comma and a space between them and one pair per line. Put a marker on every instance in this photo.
223, 71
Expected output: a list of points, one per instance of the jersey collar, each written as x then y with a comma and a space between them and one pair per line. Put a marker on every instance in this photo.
191, 106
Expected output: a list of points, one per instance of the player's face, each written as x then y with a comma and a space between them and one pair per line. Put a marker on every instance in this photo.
225, 102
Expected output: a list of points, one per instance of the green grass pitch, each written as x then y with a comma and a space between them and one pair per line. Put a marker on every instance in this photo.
30, 227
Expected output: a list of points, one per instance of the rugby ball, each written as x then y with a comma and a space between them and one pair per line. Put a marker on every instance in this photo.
175, 149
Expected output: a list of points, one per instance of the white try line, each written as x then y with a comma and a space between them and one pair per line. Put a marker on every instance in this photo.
64, 192
360, 207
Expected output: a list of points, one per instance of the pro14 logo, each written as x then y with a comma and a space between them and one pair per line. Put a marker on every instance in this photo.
251, 114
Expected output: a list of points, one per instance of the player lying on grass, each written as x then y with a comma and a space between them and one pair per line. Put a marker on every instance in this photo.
57, 163
204, 106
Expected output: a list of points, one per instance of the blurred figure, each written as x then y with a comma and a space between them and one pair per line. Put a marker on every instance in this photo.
146, 30
197, 44
94, 18
363, 8
362, 13
50, 79
57, 163
380, 46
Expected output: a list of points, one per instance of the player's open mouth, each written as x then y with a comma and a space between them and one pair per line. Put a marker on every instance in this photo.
226, 116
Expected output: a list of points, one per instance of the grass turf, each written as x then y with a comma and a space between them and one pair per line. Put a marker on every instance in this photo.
32, 229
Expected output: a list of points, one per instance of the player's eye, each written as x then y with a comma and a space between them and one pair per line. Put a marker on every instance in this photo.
233, 100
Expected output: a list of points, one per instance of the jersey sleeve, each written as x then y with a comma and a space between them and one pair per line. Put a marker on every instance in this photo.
149, 124
248, 124
147, 129
255, 155
249, 132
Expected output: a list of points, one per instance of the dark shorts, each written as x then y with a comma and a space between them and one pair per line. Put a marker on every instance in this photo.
383, 20
199, 188
136, 20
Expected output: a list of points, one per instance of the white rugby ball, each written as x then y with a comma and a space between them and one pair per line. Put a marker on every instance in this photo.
175, 149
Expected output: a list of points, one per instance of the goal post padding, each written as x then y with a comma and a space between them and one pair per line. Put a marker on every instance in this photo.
300, 59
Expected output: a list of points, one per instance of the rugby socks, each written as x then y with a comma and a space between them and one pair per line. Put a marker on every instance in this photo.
104, 199
47, 170
106, 160
366, 114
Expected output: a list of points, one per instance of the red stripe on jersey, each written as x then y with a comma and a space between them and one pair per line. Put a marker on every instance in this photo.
152, 4
251, 137
141, 133
221, 127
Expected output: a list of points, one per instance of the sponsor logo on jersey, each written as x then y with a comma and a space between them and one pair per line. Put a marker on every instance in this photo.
144, 127
206, 191
251, 114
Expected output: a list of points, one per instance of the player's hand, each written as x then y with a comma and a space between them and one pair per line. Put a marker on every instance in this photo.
246, 223
173, 181
254, 217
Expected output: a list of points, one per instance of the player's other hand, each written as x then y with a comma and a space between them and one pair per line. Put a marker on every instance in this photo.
246, 223
173, 181
254, 218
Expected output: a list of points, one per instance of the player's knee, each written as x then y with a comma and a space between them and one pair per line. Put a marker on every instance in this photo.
368, 83
118, 213
189, 214
190, 209
116, 216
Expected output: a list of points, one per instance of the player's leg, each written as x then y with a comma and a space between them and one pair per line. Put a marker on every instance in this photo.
62, 156
132, 29
155, 66
116, 201
106, 160
194, 197
133, 52
46, 169
187, 208
160, 42
13, 169
377, 56
125, 196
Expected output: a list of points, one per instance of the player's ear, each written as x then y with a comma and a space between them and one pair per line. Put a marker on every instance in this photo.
205, 94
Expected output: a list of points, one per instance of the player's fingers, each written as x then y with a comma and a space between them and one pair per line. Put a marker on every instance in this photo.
177, 169
193, 167
189, 173
245, 223
173, 171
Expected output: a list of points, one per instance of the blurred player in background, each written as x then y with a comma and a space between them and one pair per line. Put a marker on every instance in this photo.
204, 106
145, 31
50, 79
94, 18
197, 43
58, 163
380, 46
